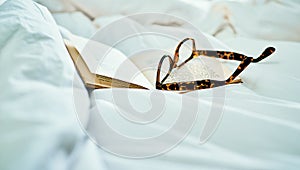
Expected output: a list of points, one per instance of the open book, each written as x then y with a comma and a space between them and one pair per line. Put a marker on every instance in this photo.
101, 66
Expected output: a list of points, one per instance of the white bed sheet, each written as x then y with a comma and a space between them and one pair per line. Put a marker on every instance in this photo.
256, 132
260, 127
38, 123
260, 124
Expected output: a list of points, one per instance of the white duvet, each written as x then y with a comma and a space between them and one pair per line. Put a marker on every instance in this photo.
259, 128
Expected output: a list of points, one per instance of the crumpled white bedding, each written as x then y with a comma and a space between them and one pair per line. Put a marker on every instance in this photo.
249, 18
256, 132
260, 118
259, 129
38, 125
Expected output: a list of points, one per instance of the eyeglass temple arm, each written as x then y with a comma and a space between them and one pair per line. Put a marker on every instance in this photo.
244, 63
267, 52
239, 70
229, 55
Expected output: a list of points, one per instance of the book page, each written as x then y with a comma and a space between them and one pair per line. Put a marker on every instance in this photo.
104, 60
141, 68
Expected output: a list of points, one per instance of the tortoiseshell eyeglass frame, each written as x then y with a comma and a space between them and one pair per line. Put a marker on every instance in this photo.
207, 83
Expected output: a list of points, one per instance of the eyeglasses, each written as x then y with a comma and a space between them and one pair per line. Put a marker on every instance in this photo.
206, 83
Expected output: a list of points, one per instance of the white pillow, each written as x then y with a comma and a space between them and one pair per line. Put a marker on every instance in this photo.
262, 21
96, 8
267, 20
57, 5
39, 125
71, 21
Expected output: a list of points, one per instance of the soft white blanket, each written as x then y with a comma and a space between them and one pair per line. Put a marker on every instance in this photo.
259, 128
